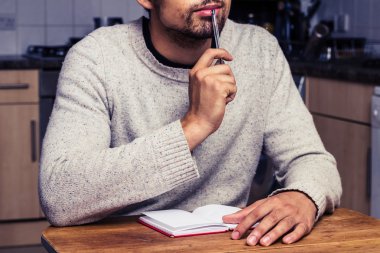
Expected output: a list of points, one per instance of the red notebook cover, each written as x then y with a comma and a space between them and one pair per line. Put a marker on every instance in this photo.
178, 236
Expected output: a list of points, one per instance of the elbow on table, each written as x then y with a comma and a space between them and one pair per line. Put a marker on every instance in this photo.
59, 213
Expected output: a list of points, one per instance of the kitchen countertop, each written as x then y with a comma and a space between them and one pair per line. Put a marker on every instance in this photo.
18, 62
344, 70
340, 70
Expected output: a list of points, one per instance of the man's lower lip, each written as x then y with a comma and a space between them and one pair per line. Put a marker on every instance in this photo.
207, 13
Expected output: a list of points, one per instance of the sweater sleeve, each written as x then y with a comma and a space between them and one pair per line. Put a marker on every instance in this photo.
291, 140
81, 178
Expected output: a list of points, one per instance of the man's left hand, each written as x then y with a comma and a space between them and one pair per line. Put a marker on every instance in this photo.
289, 212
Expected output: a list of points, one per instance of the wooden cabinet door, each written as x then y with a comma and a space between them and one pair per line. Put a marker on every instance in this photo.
19, 147
339, 99
349, 143
18, 86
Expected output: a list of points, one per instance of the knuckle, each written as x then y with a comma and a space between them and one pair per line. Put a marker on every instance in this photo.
291, 208
251, 219
208, 51
276, 199
310, 224
198, 75
275, 233
226, 67
225, 51
234, 80
207, 79
290, 222
303, 228
274, 217
259, 232
243, 226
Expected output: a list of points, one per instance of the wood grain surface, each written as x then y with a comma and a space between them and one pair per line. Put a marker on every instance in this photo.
344, 231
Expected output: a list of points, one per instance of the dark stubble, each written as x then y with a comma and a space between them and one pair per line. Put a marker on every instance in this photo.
197, 30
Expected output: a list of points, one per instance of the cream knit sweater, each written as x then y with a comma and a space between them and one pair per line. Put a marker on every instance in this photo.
114, 143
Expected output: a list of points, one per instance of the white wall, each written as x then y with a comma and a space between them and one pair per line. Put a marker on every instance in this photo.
364, 16
52, 22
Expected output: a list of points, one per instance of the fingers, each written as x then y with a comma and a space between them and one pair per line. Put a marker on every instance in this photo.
222, 69
240, 215
218, 77
278, 215
283, 227
226, 84
209, 56
253, 217
300, 231
265, 225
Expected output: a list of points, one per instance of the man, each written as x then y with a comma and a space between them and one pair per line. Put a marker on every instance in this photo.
145, 120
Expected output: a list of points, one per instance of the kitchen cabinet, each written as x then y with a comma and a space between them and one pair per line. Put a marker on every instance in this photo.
341, 112
18, 162
21, 219
19, 141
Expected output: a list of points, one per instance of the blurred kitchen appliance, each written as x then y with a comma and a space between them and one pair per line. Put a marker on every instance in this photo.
313, 47
346, 48
284, 18
375, 154
291, 25
107, 21
46, 52
57, 52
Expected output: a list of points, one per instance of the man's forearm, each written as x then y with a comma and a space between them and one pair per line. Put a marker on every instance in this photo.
87, 184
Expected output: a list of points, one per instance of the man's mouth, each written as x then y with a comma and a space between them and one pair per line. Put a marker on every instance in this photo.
206, 11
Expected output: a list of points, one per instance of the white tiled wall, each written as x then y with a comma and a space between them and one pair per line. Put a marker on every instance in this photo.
52, 22
364, 16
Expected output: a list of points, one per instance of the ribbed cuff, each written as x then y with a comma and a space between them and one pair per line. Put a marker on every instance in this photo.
173, 156
311, 191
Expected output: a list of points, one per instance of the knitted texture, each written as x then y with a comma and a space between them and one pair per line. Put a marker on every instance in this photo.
114, 143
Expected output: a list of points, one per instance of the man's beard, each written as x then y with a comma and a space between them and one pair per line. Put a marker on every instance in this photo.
202, 29
197, 30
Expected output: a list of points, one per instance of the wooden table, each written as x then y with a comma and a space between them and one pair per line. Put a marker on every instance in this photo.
344, 231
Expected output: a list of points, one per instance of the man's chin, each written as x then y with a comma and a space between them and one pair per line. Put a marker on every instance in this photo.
202, 36
202, 33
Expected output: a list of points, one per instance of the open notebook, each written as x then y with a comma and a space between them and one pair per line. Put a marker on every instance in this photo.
178, 223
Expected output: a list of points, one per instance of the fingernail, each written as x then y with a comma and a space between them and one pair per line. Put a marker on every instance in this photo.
266, 240
288, 239
235, 235
252, 240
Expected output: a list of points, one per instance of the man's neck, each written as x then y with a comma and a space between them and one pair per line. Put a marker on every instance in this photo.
176, 48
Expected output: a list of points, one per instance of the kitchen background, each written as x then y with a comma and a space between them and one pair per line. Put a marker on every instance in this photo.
52, 22
339, 82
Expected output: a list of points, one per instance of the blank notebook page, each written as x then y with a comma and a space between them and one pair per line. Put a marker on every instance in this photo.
176, 218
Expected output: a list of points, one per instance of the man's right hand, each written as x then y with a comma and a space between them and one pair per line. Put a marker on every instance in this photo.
211, 88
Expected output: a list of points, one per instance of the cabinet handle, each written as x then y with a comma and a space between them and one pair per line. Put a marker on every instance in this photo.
16, 86
369, 172
33, 140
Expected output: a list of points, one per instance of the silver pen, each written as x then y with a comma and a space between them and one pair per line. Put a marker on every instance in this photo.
216, 33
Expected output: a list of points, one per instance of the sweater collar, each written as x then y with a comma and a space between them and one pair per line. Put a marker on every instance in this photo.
145, 55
